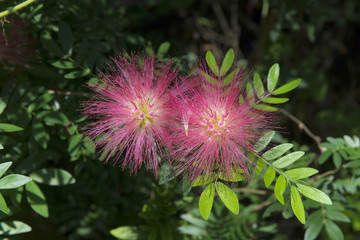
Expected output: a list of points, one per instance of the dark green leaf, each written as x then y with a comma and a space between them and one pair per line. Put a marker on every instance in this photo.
211, 62
288, 159
62, 64
40, 134
13, 181
40, 102
287, 87
264, 141
273, 77
269, 176
36, 199
206, 201
6, 127
50, 44
125, 233
3, 205
277, 151
259, 86
65, 38
53, 177
314, 230
165, 230
4, 167
228, 197
325, 156
227, 62
53, 117
279, 190
314, 194
272, 100
163, 48
300, 173
13, 227
264, 107
337, 159
297, 205
209, 78
83, 51
333, 230
337, 216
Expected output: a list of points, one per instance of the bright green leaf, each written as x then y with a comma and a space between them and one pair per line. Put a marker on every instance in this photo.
40, 134
227, 62
77, 74
125, 233
287, 87
3, 205
264, 141
297, 205
228, 197
36, 199
333, 230
209, 78
235, 176
264, 107
203, 180
4, 167
206, 201
250, 94
211, 62
288, 159
259, 86
230, 77
300, 173
272, 100
53, 177
269, 176
6, 127
13, 227
259, 166
62, 64
279, 190
277, 151
13, 181
273, 77
314, 194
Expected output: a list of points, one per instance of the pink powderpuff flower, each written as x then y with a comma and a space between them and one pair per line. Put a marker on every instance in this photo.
216, 132
132, 108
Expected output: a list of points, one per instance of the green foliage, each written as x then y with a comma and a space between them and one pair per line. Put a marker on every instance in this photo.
206, 201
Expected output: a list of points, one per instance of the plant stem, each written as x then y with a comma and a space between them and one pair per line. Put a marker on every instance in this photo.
14, 9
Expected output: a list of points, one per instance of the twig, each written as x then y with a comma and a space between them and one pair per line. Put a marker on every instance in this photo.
330, 172
16, 8
303, 127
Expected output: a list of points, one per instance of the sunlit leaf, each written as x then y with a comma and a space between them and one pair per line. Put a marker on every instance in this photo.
300, 173
273, 77
279, 190
277, 151
228, 197
7, 127
258, 85
13, 181
206, 201
314, 194
227, 62
211, 62
288, 159
287, 87
297, 205
264, 141
36, 199
53, 177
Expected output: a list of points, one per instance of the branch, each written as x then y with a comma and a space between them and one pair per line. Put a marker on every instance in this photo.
14, 9
303, 127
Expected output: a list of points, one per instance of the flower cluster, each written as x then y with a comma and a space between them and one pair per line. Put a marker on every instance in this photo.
146, 113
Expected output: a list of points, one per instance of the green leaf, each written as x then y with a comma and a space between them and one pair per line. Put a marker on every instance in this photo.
259, 166
211, 62
165, 230
314, 194
250, 93
337, 216
50, 44
287, 87
163, 48
235, 176
227, 62
206, 201
77, 74
264, 141
203, 180
300, 173
277, 151
83, 51
125, 233
264, 107
337, 159
53, 177
4, 167
13, 181
259, 86
3, 205
65, 38
325, 156
40, 134
36, 199
333, 230
297, 205
269, 176
6, 127
288, 159
272, 100
279, 190
13, 227
315, 228
273, 77
208, 78
228, 197
62, 64
53, 117
40, 102
230, 77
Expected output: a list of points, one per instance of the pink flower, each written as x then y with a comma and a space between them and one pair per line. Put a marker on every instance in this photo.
132, 108
215, 134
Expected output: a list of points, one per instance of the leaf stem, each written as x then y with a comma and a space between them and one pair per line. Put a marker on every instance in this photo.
16, 8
